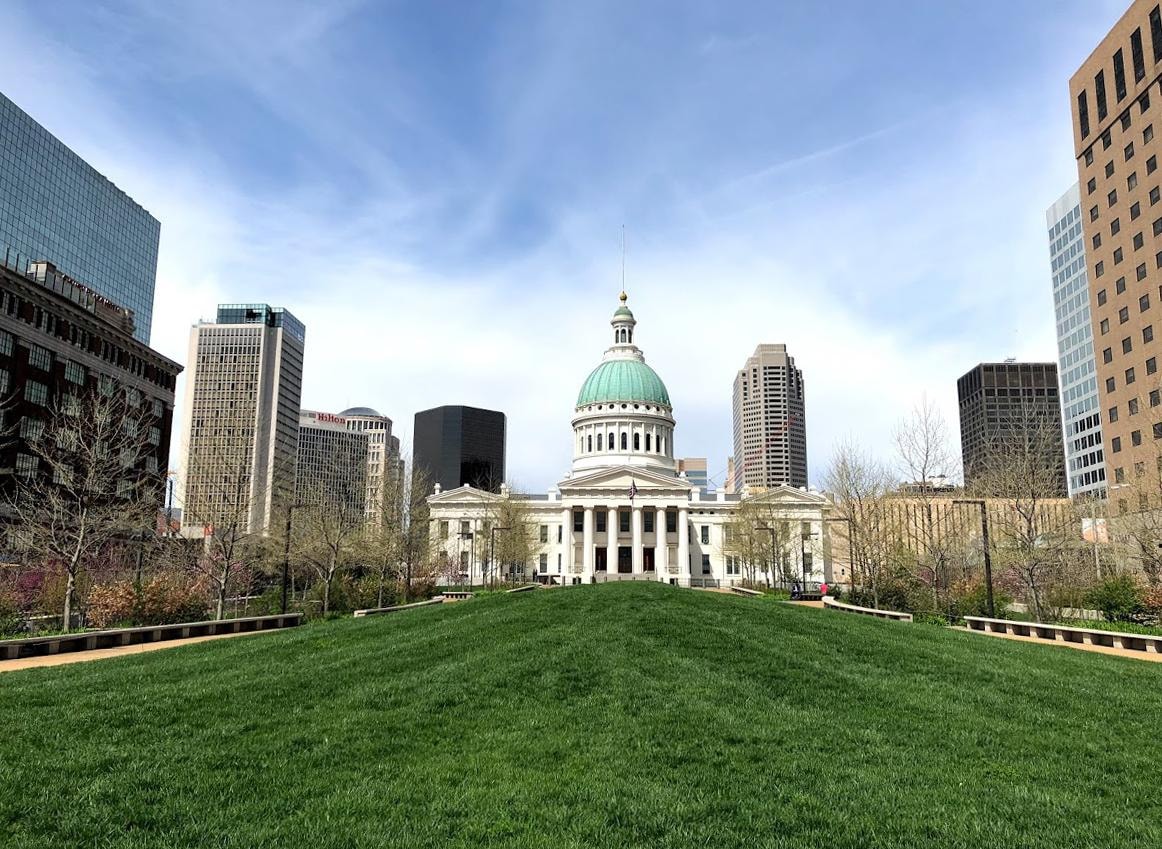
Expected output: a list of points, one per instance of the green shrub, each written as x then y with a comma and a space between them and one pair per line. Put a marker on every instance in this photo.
11, 620
1119, 598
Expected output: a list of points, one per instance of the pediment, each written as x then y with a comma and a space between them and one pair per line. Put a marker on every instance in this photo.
789, 495
621, 477
461, 494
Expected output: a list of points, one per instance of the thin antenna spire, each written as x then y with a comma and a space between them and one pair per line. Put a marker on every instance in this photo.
623, 257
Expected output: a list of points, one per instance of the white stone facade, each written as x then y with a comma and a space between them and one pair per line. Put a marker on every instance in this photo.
624, 513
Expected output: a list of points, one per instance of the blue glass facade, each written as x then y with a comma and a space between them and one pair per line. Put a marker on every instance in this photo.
1076, 364
57, 207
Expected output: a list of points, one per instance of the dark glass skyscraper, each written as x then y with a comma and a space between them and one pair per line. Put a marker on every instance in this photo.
54, 206
461, 445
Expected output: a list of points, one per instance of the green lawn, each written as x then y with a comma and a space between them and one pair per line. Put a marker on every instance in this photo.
604, 716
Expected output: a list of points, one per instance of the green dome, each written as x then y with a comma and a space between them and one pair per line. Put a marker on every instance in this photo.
623, 380
622, 311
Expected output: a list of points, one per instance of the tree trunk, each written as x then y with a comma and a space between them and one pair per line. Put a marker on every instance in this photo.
327, 595
220, 613
70, 589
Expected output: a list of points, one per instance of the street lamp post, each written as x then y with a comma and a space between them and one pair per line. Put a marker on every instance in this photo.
492, 549
988, 563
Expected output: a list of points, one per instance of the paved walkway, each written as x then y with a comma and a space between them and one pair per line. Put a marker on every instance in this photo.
1136, 655
119, 651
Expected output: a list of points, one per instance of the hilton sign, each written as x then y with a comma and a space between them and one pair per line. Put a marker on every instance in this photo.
329, 418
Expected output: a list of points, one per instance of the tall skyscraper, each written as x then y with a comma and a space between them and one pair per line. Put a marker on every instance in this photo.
1000, 402
1077, 365
460, 445
770, 426
383, 461
1116, 102
56, 207
241, 421
332, 465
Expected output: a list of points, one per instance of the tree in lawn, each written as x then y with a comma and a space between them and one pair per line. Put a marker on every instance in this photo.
331, 518
758, 536
1036, 534
925, 456
91, 485
860, 487
516, 541
396, 539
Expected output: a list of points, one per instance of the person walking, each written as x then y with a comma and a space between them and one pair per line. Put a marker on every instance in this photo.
823, 588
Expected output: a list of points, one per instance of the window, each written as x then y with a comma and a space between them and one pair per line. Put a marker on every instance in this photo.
1105, 326
1148, 333
1140, 271
671, 522
1129, 151
1155, 397
1151, 164
35, 392
624, 441
1126, 120
637, 442
155, 436
1135, 210
1116, 445
1106, 140
601, 523
1091, 186
544, 533
560, 533
1123, 315
1107, 356
1110, 169
40, 358
1099, 90
31, 428
75, 373
1129, 375
1096, 240
648, 521
1112, 198
1113, 413
705, 564
1117, 256
1132, 406
1127, 345
1148, 134
1136, 55
1143, 303
1120, 285
704, 534
1155, 195
1156, 33
1110, 386
623, 521
1158, 430
1120, 477
543, 561
1132, 181
1152, 365
1093, 214
1101, 297
578, 521
1138, 241
1136, 437
6, 340
443, 530
1119, 75
1089, 152
1083, 114
25, 465
1099, 269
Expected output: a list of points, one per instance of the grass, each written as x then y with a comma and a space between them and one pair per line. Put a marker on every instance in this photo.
605, 716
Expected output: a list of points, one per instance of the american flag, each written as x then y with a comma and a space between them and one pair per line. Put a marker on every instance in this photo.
632, 488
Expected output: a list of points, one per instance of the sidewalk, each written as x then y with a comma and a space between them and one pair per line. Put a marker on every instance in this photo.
1136, 655
101, 654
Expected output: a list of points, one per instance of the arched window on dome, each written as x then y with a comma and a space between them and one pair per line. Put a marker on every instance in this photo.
662, 445
637, 442
648, 448
591, 444
629, 336
624, 441
600, 441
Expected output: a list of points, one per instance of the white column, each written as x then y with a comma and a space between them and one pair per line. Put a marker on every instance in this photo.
661, 546
683, 542
587, 542
611, 540
637, 539
567, 544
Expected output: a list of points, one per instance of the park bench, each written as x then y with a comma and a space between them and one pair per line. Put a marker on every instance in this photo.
744, 591
375, 611
526, 588
1148, 643
90, 640
895, 615
455, 595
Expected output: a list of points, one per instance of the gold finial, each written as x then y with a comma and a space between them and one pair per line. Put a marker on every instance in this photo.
623, 297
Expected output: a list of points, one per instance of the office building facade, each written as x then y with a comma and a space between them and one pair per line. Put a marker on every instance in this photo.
56, 207
459, 446
332, 465
60, 341
694, 470
770, 425
1077, 365
383, 461
1116, 101
241, 419
1002, 404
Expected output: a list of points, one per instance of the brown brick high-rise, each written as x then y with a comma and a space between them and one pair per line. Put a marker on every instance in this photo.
1117, 112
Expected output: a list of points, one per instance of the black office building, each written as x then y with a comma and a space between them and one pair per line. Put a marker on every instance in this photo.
460, 445
1010, 403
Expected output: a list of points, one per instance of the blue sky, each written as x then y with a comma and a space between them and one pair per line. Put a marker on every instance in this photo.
438, 190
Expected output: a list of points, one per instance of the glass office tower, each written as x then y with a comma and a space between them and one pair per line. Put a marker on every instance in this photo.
55, 206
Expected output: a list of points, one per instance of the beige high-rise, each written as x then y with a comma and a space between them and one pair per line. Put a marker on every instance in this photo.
770, 428
240, 428
1117, 112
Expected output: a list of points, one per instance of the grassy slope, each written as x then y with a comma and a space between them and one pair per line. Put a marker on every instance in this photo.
616, 715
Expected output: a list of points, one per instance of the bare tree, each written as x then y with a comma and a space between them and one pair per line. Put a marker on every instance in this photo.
87, 481
1036, 532
860, 487
510, 533
925, 455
